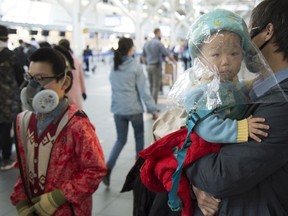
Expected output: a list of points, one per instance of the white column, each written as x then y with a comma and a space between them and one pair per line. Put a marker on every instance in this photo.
77, 28
138, 29
172, 24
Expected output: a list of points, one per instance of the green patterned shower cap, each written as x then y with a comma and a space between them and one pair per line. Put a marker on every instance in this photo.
213, 22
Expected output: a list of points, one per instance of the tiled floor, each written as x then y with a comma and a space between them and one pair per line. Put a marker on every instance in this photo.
106, 201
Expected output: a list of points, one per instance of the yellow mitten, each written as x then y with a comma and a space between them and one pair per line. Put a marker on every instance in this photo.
48, 203
23, 208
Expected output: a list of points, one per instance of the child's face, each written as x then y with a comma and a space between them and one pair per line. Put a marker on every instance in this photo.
224, 51
45, 70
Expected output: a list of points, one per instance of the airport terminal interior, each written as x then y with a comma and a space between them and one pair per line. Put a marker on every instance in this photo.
99, 24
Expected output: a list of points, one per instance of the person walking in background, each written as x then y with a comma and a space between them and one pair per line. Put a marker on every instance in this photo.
29, 49
153, 51
186, 57
59, 155
21, 55
87, 55
11, 73
34, 43
77, 93
129, 89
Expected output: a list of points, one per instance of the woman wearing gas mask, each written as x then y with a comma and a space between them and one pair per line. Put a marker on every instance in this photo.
59, 156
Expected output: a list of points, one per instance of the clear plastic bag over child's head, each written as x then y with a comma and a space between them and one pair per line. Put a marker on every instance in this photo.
227, 68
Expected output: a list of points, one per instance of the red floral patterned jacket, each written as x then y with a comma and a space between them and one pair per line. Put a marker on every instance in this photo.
76, 164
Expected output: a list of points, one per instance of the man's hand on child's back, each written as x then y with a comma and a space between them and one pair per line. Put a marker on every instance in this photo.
208, 204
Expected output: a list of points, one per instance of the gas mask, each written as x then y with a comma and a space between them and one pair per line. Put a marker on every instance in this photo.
38, 99
253, 61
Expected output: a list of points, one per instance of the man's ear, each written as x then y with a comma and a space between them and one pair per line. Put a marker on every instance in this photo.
269, 31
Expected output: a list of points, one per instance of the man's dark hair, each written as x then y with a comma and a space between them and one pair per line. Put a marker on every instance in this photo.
156, 30
275, 12
57, 61
44, 44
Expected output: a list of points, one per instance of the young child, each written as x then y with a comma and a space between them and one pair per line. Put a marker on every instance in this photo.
218, 42
60, 159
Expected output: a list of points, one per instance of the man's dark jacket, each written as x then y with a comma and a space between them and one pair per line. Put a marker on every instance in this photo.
11, 74
251, 178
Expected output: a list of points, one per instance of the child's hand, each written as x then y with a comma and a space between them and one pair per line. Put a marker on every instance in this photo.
254, 126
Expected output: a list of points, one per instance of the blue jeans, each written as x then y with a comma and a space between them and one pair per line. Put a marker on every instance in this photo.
122, 123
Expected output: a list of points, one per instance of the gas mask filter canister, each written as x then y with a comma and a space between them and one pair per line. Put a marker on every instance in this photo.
38, 99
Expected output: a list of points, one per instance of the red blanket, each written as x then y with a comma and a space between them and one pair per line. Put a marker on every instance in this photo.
160, 164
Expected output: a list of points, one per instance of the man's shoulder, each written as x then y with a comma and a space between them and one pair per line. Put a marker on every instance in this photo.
153, 41
153, 45
7, 58
156, 41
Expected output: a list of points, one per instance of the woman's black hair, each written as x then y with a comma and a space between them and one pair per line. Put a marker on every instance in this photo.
59, 64
66, 54
66, 44
275, 12
124, 45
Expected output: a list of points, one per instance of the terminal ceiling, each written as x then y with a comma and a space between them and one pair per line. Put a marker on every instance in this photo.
137, 17
58, 14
